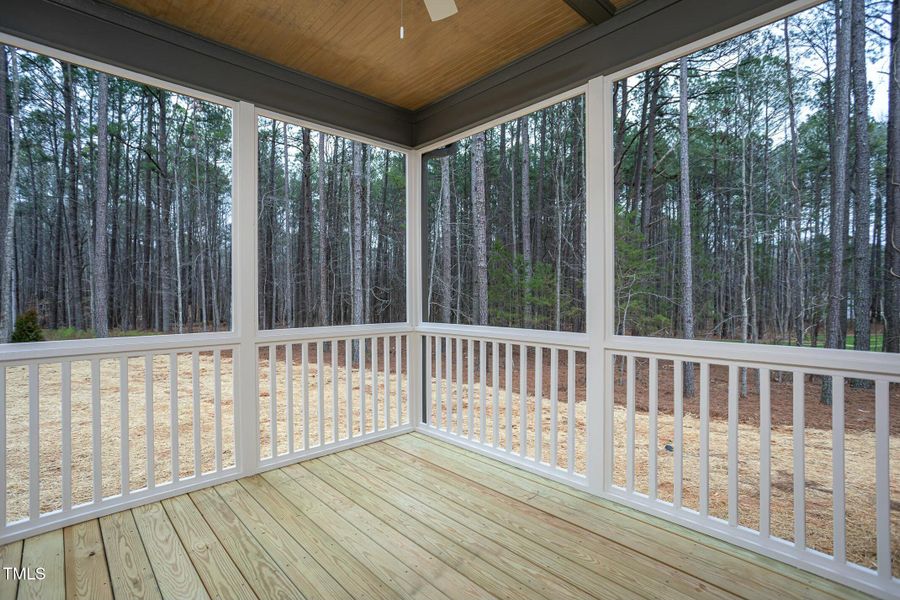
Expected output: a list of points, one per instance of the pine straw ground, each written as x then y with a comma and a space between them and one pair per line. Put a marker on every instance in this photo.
50, 437
859, 436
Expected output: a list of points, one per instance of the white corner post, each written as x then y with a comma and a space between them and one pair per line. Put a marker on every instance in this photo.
244, 288
414, 283
598, 281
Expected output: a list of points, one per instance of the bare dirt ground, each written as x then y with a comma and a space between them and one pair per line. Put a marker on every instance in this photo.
50, 415
859, 457
385, 394
50, 437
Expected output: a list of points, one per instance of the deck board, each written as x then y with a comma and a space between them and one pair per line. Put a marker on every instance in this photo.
45, 552
304, 486
408, 517
742, 572
87, 576
381, 562
541, 583
258, 566
219, 574
599, 555
339, 561
10, 556
438, 544
581, 580
129, 568
172, 568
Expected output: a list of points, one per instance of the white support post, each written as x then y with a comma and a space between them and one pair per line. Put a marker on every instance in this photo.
414, 286
245, 281
598, 286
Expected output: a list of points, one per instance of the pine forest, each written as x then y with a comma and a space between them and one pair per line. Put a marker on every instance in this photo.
757, 191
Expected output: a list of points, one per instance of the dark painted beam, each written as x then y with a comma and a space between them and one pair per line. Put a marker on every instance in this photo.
107, 33
110, 34
593, 11
634, 34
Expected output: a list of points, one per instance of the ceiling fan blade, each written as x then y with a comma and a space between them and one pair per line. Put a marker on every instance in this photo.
440, 9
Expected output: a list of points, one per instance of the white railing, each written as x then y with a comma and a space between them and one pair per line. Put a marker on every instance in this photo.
754, 457
88, 427
320, 392
517, 395
751, 457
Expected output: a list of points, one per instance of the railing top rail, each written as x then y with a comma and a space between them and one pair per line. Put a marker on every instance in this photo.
81, 349
296, 334
508, 334
786, 358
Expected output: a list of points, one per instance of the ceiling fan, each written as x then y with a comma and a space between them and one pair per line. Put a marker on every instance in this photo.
440, 9
437, 10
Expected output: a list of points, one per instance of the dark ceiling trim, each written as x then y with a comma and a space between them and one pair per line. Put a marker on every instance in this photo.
115, 36
636, 33
100, 31
593, 11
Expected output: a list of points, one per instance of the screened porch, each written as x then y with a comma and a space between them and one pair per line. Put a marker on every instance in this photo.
539, 299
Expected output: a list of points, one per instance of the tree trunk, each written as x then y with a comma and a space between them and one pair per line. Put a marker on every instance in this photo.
101, 275
637, 175
796, 275
357, 201
291, 298
687, 272
892, 195
526, 217
6, 278
74, 251
649, 159
446, 239
539, 208
148, 227
862, 305
833, 330
324, 318
308, 295
479, 221
367, 235
165, 208
619, 142
4, 146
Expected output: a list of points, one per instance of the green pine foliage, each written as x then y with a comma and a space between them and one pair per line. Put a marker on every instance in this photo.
510, 288
28, 328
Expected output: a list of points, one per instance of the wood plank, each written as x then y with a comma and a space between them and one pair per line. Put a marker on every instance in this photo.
336, 560
129, 568
434, 541
45, 552
741, 571
257, 566
597, 554
174, 572
10, 556
298, 558
534, 576
87, 575
411, 516
217, 571
310, 494
577, 580
324, 39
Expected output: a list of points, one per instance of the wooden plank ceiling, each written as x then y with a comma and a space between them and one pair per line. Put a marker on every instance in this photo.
356, 43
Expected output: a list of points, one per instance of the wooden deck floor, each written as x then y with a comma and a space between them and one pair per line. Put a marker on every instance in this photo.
410, 517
